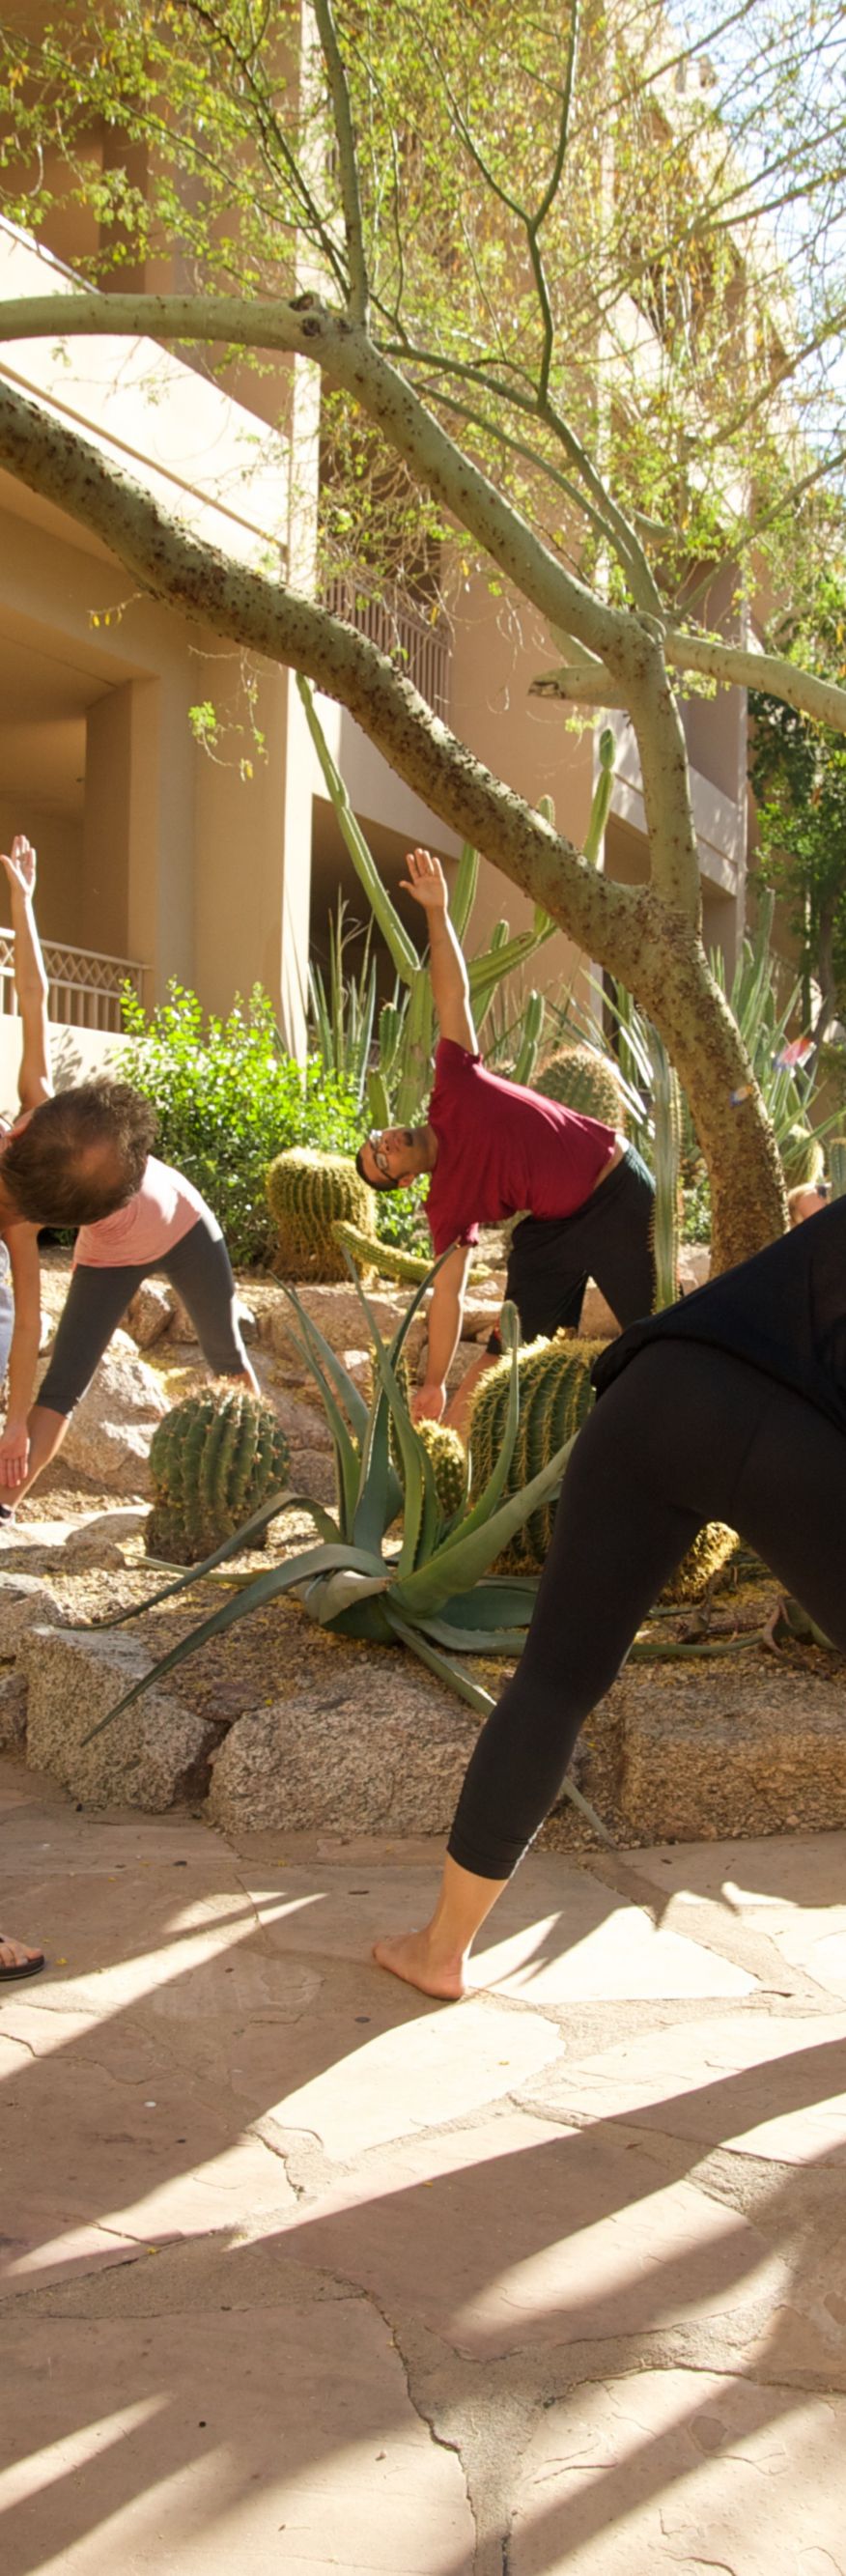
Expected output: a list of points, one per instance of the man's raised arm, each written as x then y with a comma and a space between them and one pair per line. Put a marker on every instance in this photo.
450, 988
35, 1080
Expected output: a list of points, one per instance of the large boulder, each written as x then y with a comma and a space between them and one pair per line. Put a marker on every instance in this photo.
338, 1313
101, 1541
149, 1314
365, 1743
12, 1712
108, 1436
25, 1602
150, 1758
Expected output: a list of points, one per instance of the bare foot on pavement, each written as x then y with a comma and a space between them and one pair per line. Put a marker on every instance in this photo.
414, 1957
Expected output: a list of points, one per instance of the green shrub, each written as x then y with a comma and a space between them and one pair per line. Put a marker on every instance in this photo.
228, 1100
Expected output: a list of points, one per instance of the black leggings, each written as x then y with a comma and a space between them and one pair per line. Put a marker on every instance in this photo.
198, 1267
685, 1434
608, 1238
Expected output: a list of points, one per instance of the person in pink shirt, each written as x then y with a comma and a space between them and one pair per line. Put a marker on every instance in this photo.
64, 1161
166, 1226
83, 1158
494, 1150
60, 1161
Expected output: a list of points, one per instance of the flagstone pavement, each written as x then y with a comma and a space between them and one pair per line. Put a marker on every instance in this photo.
302, 2272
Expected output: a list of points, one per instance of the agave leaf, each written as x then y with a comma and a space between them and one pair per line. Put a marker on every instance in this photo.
421, 1514
379, 1496
333, 1593
351, 1396
346, 1453
464, 1559
474, 1641
455, 1678
284, 1501
480, 1511
267, 1587
509, 1599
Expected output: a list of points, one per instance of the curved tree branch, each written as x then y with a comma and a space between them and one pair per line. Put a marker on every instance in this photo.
262, 614
307, 328
733, 666
347, 160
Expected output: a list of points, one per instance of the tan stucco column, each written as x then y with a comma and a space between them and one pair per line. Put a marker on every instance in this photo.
253, 863
138, 837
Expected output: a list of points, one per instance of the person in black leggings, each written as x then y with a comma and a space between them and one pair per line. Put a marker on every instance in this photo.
730, 1406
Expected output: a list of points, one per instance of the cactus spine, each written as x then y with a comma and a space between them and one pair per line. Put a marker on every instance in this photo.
213, 1460
307, 1193
583, 1080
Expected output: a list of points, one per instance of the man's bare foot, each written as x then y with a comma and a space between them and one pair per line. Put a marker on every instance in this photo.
415, 1957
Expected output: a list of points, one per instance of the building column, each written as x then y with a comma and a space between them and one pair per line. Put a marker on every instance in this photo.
137, 897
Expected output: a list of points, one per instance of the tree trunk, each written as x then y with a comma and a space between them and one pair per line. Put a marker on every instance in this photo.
668, 973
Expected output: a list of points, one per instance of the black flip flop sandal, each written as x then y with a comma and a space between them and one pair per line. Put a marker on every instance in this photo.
28, 1968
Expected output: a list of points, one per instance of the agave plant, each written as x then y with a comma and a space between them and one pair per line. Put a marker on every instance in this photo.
430, 1589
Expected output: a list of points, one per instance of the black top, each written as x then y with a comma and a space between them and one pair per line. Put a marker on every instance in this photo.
784, 1311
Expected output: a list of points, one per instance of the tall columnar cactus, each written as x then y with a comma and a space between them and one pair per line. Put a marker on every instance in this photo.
802, 1157
398, 1085
582, 1079
307, 1194
667, 1154
531, 1032
556, 1396
214, 1460
837, 1165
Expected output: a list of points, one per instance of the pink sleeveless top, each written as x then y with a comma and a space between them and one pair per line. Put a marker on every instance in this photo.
161, 1213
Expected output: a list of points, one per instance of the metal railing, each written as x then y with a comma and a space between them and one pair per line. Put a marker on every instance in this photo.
84, 986
421, 646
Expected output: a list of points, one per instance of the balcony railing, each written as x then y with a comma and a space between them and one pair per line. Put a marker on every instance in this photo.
421, 647
84, 987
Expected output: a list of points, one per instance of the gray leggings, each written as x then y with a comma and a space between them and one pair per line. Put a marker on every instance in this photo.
199, 1267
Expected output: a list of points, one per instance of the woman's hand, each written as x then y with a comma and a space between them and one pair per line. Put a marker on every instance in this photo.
14, 1455
20, 866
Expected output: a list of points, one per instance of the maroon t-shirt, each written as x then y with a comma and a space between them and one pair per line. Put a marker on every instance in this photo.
503, 1151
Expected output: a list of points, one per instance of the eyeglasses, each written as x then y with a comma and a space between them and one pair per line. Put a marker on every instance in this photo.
377, 1149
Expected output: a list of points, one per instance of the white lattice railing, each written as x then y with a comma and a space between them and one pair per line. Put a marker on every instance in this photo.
84, 986
421, 648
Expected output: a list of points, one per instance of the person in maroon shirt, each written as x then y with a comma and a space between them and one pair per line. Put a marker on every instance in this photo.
494, 1150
